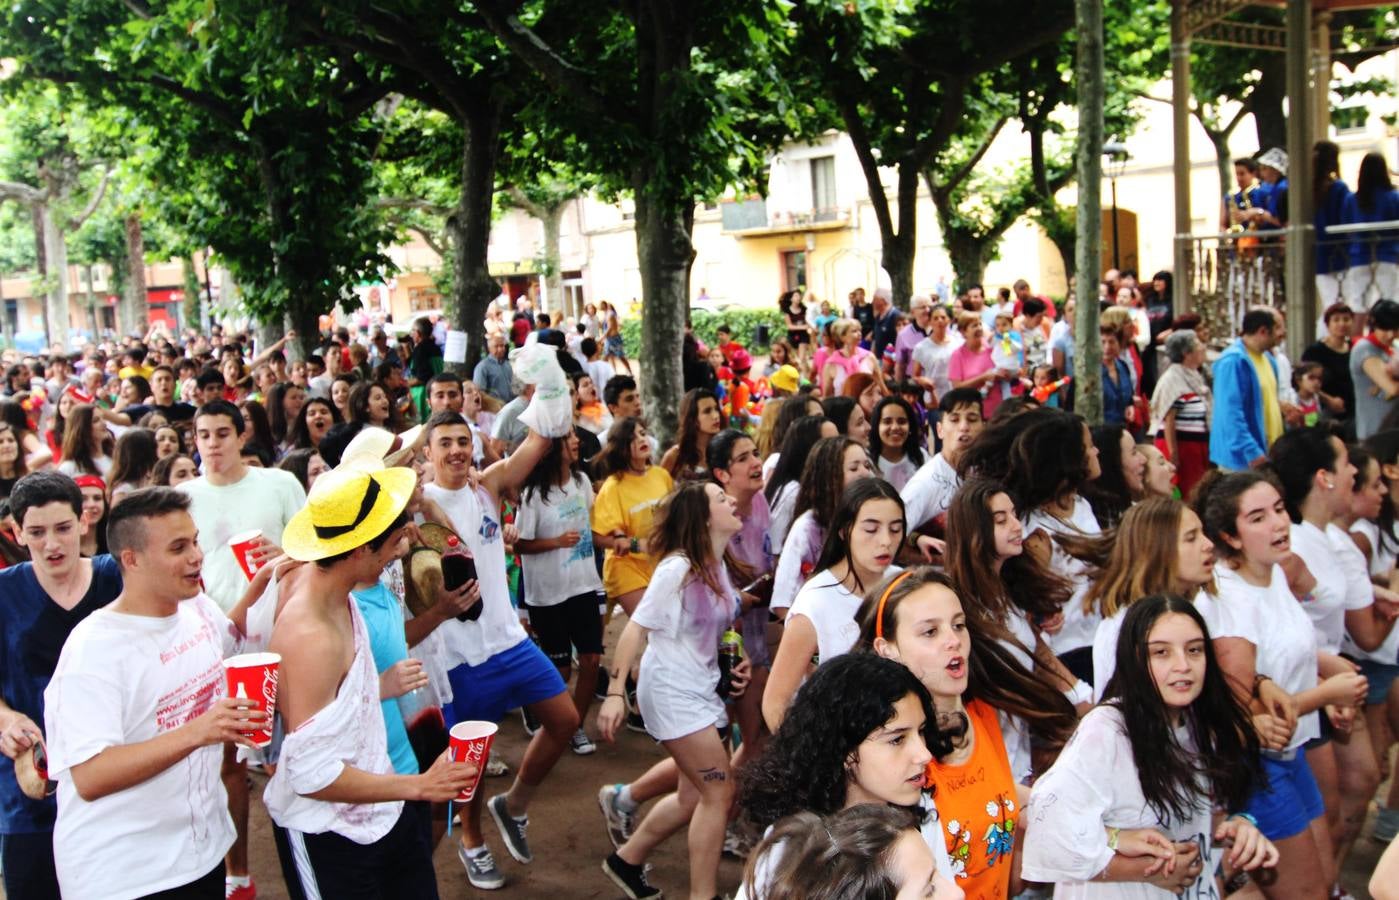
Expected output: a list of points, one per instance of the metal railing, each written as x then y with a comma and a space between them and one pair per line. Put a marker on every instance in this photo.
1231, 272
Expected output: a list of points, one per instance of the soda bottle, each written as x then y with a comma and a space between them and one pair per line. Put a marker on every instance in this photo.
730, 655
457, 569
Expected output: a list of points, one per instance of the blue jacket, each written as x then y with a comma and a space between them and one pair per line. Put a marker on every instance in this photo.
1237, 436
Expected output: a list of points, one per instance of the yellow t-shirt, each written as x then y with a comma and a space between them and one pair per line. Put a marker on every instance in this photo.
1272, 412
626, 503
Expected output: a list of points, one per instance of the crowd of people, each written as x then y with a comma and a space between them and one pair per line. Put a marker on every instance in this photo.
904, 624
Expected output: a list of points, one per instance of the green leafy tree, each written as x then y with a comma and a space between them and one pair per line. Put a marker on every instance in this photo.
669, 100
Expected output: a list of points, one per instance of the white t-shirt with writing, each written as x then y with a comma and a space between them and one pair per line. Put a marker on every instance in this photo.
553, 576
477, 521
263, 498
929, 492
124, 679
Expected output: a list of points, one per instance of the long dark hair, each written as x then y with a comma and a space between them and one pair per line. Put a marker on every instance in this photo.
844, 855
1373, 180
78, 444
133, 459
276, 412
681, 526
550, 472
839, 410
843, 702
995, 676
823, 479
1295, 458
1216, 502
836, 547
1226, 751
615, 456
797, 444
911, 448
1038, 455
1384, 446
300, 436
1021, 585
1108, 494
688, 444
1326, 162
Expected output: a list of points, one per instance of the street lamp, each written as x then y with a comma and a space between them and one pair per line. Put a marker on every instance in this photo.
1115, 158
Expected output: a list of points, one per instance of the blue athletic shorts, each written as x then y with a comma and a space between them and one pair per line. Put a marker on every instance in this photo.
1286, 806
511, 679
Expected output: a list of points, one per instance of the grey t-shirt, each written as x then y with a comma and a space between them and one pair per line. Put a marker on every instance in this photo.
1370, 404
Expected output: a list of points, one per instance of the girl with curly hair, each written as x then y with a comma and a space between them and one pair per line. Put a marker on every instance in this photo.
858, 732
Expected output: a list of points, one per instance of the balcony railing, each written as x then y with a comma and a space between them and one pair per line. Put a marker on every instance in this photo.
752, 217
1231, 272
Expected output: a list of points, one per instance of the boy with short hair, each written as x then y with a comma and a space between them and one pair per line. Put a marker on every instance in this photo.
137, 718
44, 600
929, 492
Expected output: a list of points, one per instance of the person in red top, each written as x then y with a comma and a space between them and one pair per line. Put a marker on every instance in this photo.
916, 618
1023, 293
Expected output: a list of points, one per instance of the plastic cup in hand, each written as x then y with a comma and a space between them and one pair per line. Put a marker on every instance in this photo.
253, 677
470, 742
241, 544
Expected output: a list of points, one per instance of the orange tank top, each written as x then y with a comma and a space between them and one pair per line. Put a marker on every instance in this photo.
977, 807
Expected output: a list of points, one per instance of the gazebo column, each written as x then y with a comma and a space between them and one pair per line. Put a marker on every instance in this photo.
1300, 261
1180, 164
1321, 75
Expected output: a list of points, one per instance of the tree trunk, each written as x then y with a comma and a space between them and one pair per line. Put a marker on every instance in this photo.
1266, 102
7, 327
56, 301
663, 248
136, 307
1223, 162
1088, 387
553, 262
968, 256
470, 228
193, 298
94, 315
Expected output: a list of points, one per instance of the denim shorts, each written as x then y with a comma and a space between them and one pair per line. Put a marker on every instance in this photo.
1381, 676
1288, 803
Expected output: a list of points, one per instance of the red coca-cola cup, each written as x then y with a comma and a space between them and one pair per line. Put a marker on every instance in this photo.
241, 544
253, 677
470, 742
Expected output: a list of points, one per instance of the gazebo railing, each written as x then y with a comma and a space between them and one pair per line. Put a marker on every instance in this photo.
1231, 272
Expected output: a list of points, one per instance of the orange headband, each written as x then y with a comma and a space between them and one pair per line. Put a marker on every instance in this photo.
883, 599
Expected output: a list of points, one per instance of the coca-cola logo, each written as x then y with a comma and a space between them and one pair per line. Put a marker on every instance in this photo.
269, 689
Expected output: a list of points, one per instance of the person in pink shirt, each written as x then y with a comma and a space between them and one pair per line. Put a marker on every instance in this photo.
970, 365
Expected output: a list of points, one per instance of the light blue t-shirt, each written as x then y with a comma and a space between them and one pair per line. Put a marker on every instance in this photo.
384, 620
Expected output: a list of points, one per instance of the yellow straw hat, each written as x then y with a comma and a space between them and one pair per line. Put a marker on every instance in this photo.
347, 507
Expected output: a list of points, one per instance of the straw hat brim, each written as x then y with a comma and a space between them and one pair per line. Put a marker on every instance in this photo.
300, 540
435, 536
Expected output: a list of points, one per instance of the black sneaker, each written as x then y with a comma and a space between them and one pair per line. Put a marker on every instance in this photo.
512, 830
531, 723
600, 692
631, 879
634, 720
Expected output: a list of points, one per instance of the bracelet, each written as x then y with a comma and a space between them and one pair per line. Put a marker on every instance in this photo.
1258, 681
618, 696
1246, 817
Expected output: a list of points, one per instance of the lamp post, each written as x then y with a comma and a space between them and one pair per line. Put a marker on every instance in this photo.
1115, 158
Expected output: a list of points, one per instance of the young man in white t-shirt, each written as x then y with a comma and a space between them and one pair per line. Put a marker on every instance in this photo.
137, 719
929, 492
232, 497
353, 826
495, 666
